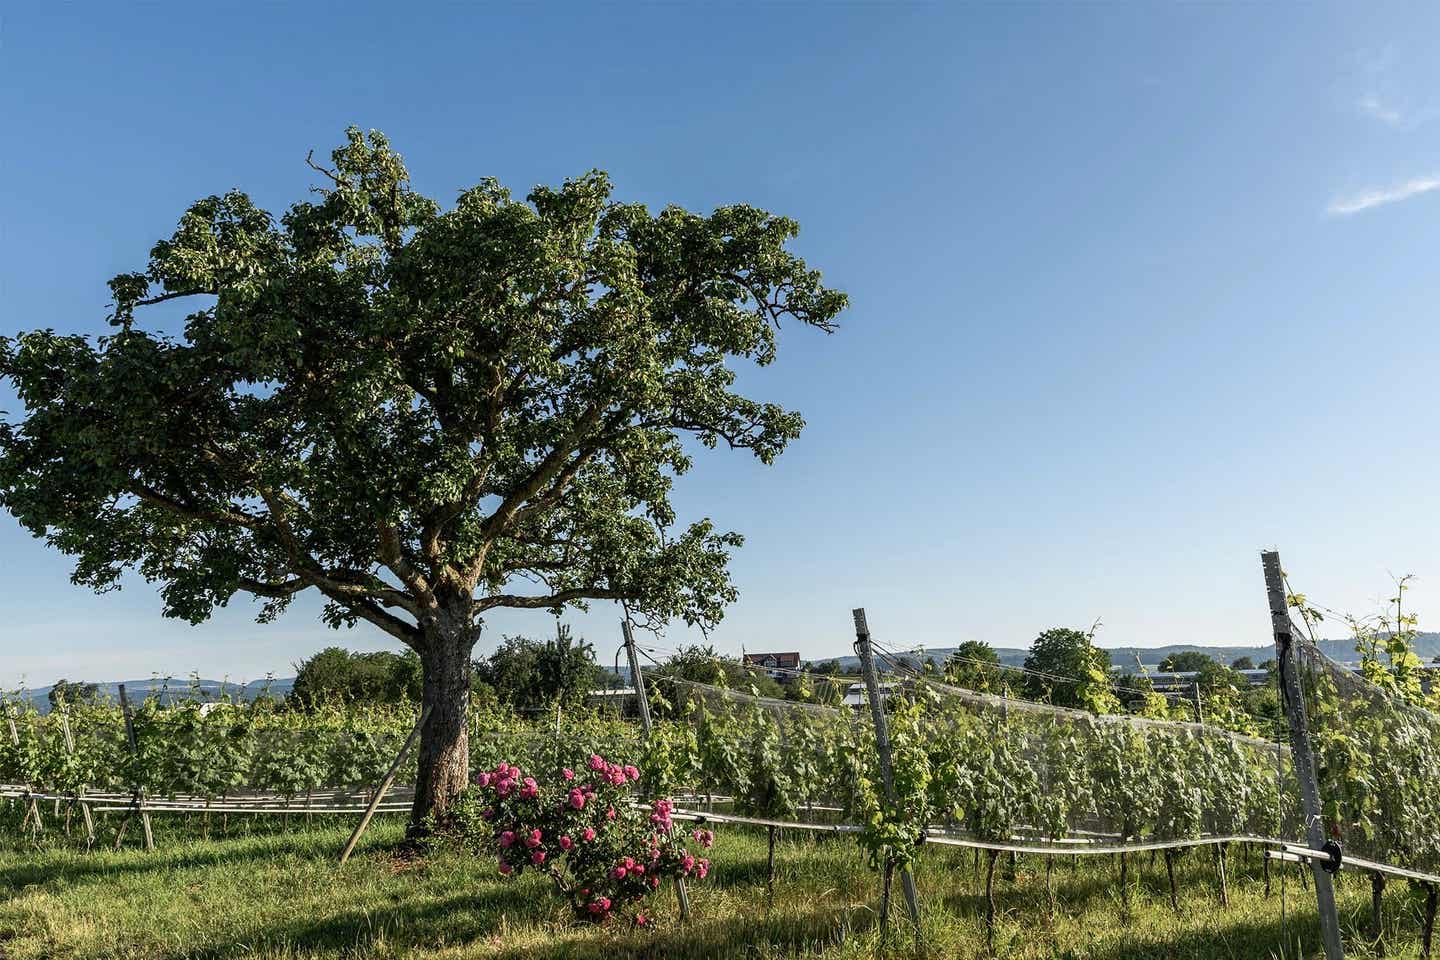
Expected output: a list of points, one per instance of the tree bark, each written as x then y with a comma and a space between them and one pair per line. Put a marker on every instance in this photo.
444, 758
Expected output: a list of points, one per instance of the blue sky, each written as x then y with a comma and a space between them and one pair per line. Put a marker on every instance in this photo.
1137, 290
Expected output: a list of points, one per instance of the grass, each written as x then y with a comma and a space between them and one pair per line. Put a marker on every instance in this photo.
278, 894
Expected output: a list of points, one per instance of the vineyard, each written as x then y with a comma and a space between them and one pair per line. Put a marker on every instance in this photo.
932, 766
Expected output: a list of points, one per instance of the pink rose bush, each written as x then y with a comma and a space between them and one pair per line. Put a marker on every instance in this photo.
605, 853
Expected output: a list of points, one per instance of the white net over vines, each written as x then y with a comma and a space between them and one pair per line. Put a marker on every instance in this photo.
975, 766
1377, 760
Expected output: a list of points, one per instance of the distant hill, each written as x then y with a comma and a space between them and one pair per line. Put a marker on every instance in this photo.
1427, 646
170, 690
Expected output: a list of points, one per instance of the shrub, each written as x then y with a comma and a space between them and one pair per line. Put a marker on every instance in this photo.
605, 852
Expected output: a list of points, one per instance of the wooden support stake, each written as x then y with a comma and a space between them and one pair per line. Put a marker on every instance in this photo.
139, 795
1287, 659
642, 700
882, 745
384, 786
79, 791
33, 812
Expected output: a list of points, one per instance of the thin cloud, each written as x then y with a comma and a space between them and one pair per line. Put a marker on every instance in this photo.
1387, 113
1369, 199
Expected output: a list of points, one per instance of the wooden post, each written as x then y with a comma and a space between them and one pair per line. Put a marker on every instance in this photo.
139, 791
642, 701
79, 791
384, 787
882, 745
38, 826
1287, 661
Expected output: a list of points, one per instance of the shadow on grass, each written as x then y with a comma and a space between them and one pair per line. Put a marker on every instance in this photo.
482, 919
73, 864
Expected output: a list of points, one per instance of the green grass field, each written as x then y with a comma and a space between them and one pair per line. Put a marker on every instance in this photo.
280, 894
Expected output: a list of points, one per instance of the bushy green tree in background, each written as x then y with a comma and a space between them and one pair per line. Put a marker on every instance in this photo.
1066, 669
346, 676
528, 675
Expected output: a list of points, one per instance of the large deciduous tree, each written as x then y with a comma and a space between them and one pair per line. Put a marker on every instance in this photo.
420, 414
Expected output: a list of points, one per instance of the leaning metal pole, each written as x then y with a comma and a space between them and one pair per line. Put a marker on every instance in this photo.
637, 680
882, 745
1287, 659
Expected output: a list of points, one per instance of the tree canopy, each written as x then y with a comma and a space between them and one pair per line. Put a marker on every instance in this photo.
1065, 668
1187, 661
343, 675
975, 665
527, 674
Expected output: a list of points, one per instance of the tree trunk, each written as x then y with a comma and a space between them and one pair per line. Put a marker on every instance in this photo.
444, 757
1221, 856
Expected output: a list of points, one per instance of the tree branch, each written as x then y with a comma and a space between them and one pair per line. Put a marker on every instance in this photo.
553, 600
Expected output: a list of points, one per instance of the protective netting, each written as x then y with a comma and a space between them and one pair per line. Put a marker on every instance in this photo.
1377, 760
978, 766
218, 754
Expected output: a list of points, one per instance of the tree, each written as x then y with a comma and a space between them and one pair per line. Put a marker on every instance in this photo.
1065, 668
1242, 663
338, 674
975, 665
528, 675
1186, 661
70, 693
420, 415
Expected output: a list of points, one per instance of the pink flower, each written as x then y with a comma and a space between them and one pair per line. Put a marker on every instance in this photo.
632, 771
704, 868
482, 779
610, 813
568, 774
589, 834
618, 873
505, 868
577, 799
538, 857
566, 843
597, 762
640, 920
507, 838
689, 862
654, 883
638, 869
533, 840
705, 838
